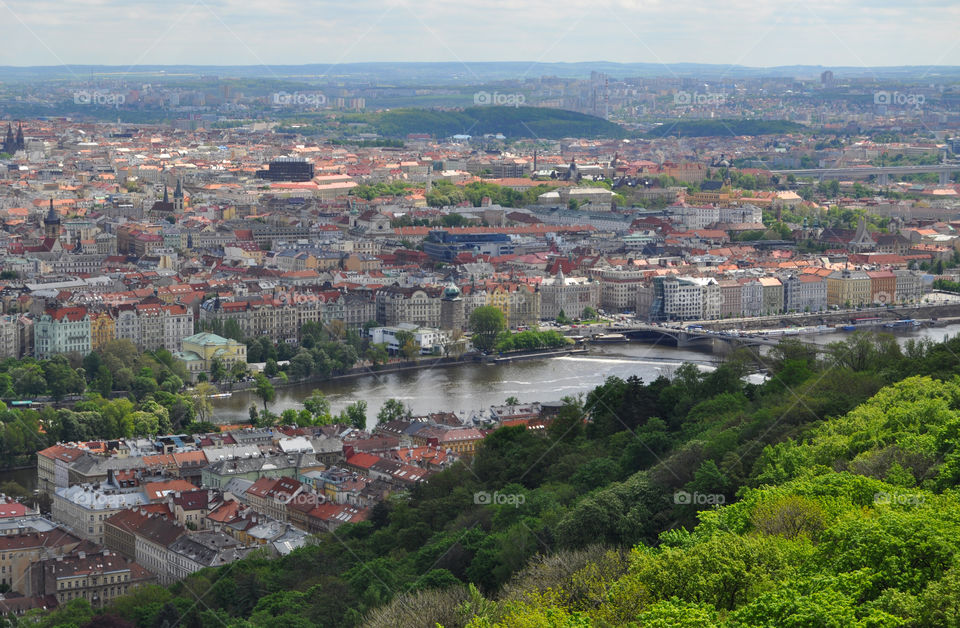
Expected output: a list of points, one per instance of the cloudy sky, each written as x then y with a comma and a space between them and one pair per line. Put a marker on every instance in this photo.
250, 32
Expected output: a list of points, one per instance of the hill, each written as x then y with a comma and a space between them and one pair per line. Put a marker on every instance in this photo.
824, 496
713, 128
513, 122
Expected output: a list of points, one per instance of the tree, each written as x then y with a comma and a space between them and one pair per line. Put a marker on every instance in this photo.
486, 322
512, 401
392, 410
301, 365
562, 318
355, 414
588, 313
201, 400
377, 354
217, 370
410, 349
264, 389
319, 407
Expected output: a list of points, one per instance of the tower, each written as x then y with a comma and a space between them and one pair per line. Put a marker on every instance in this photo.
20, 144
178, 197
9, 142
51, 224
452, 312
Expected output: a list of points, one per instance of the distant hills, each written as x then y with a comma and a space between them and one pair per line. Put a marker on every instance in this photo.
513, 122
469, 73
716, 128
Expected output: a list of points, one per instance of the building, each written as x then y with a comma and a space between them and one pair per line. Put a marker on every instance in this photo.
570, 295
84, 508
848, 288
19, 551
193, 552
98, 577
883, 287
772, 295
909, 286
417, 306
681, 298
618, 287
428, 341
199, 351
61, 330
804, 293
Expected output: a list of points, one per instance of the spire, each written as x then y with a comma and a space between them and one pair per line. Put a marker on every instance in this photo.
19, 140
166, 197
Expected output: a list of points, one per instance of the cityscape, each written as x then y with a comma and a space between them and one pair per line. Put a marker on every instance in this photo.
479, 332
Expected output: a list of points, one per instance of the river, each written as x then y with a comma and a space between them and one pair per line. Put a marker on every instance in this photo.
469, 388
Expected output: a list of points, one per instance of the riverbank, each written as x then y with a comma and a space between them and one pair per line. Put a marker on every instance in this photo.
415, 365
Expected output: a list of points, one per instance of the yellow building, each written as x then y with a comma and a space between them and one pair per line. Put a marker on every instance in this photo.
199, 351
103, 329
848, 288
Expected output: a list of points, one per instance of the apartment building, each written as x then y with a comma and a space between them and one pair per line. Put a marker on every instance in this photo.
61, 330
804, 293
570, 295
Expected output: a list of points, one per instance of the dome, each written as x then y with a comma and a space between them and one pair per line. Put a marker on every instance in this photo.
451, 292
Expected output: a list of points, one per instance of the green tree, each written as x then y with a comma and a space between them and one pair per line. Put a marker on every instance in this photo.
264, 389
355, 414
486, 323
392, 410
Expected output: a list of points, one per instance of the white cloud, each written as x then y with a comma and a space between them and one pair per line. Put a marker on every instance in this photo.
758, 33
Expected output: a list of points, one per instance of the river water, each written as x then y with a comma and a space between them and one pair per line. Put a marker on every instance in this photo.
467, 389
470, 388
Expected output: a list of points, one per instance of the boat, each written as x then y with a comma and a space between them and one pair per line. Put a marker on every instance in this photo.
223, 395
609, 338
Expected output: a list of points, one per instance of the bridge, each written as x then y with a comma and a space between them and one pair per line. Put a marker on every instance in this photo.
717, 342
881, 172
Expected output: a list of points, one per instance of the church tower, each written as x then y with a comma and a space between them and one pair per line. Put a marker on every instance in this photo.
178, 197
51, 224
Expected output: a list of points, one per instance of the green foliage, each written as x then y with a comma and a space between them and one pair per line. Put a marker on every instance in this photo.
832, 501
530, 340
532, 122
716, 128
486, 322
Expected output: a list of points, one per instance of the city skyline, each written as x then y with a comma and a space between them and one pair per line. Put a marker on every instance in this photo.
229, 32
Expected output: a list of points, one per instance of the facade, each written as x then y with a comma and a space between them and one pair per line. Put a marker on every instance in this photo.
909, 286
848, 288
199, 351
690, 298
570, 295
193, 552
62, 330
98, 577
804, 293
618, 288
417, 306
772, 295
883, 287
84, 509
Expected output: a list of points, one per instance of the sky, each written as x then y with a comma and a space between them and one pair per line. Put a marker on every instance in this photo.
759, 33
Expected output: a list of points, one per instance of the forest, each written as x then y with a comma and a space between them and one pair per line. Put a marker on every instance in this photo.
824, 496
